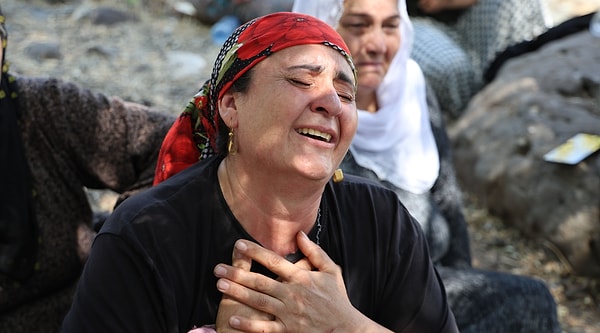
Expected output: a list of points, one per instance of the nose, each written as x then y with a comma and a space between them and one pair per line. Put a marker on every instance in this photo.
375, 42
327, 101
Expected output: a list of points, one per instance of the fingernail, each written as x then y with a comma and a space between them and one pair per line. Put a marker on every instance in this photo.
234, 322
241, 245
220, 271
222, 285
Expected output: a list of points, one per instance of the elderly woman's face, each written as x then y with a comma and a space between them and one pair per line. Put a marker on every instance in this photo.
299, 112
371, 30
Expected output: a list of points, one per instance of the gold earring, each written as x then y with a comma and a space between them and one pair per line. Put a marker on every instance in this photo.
230, 149
338, 176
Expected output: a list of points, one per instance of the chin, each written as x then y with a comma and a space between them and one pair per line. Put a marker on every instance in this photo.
316, 171
371, 83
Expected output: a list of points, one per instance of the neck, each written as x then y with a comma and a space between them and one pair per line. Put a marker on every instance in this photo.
270, 215
367, 101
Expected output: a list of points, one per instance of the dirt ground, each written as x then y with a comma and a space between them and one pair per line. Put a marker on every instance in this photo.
130, 60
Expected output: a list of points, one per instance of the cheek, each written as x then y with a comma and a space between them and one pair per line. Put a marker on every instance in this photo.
393, 45
354, 44
348, 124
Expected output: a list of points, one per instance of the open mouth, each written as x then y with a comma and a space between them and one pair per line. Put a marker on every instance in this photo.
314, 134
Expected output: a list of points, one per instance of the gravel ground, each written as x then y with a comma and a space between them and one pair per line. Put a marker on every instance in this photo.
130, 60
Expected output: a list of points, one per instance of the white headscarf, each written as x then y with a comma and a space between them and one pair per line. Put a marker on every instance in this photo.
396, 142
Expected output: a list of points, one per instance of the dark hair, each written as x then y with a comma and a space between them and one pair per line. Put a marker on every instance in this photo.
241, 85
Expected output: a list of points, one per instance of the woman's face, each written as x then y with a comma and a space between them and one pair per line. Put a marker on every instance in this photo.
298, 114
371, 29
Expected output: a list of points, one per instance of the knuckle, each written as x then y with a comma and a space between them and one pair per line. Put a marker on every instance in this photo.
262, 284
262, 302
274, 260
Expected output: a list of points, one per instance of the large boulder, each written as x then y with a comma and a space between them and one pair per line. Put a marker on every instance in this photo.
536, 102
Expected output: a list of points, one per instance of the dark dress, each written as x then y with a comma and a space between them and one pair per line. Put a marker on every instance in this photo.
151, 266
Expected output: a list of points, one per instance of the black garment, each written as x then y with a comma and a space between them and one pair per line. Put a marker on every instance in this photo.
568, 27
151, 266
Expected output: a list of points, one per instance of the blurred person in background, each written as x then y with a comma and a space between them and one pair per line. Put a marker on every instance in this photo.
457, 40
55, 140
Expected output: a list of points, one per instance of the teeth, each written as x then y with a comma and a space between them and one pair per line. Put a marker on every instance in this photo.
309, 131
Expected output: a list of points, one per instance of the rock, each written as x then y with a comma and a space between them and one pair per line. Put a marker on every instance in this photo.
536, 102
44, 50
105, 15
184, 65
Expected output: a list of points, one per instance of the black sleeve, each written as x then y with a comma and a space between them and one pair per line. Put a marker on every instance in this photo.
117, 292
414, 286
388, 271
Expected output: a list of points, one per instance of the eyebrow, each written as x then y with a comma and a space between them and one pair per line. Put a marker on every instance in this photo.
318, 69
368, 17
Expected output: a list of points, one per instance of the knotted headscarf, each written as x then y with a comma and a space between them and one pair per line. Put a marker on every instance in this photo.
193, 136
396, 142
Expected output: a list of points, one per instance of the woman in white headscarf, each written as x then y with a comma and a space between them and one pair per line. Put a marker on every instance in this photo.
398, 133
401, 142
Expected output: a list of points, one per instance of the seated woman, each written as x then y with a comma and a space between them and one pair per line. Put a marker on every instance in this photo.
401, 142
256, 236
456, 41
55, 139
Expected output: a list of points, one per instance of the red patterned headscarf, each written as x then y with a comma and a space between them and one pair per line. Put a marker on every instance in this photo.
193, 136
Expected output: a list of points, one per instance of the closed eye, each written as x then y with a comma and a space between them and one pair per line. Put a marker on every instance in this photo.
299, 83
346, 97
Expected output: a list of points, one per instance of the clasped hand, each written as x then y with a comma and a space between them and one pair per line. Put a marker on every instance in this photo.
308, 295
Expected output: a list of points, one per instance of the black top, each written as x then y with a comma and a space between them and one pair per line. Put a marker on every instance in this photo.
151, 266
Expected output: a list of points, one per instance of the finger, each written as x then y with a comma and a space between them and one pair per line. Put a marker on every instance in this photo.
247, 295
302, 264
269, 259
229, 307
255, 325
248, 279
240, 260
305, 264
315, 254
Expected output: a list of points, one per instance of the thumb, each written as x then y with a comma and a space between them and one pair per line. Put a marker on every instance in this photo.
240, 260
317, 258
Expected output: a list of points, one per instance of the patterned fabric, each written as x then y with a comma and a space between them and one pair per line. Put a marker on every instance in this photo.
193, 137
452, 76
454, 55
17, 224
48, 156
64, 157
